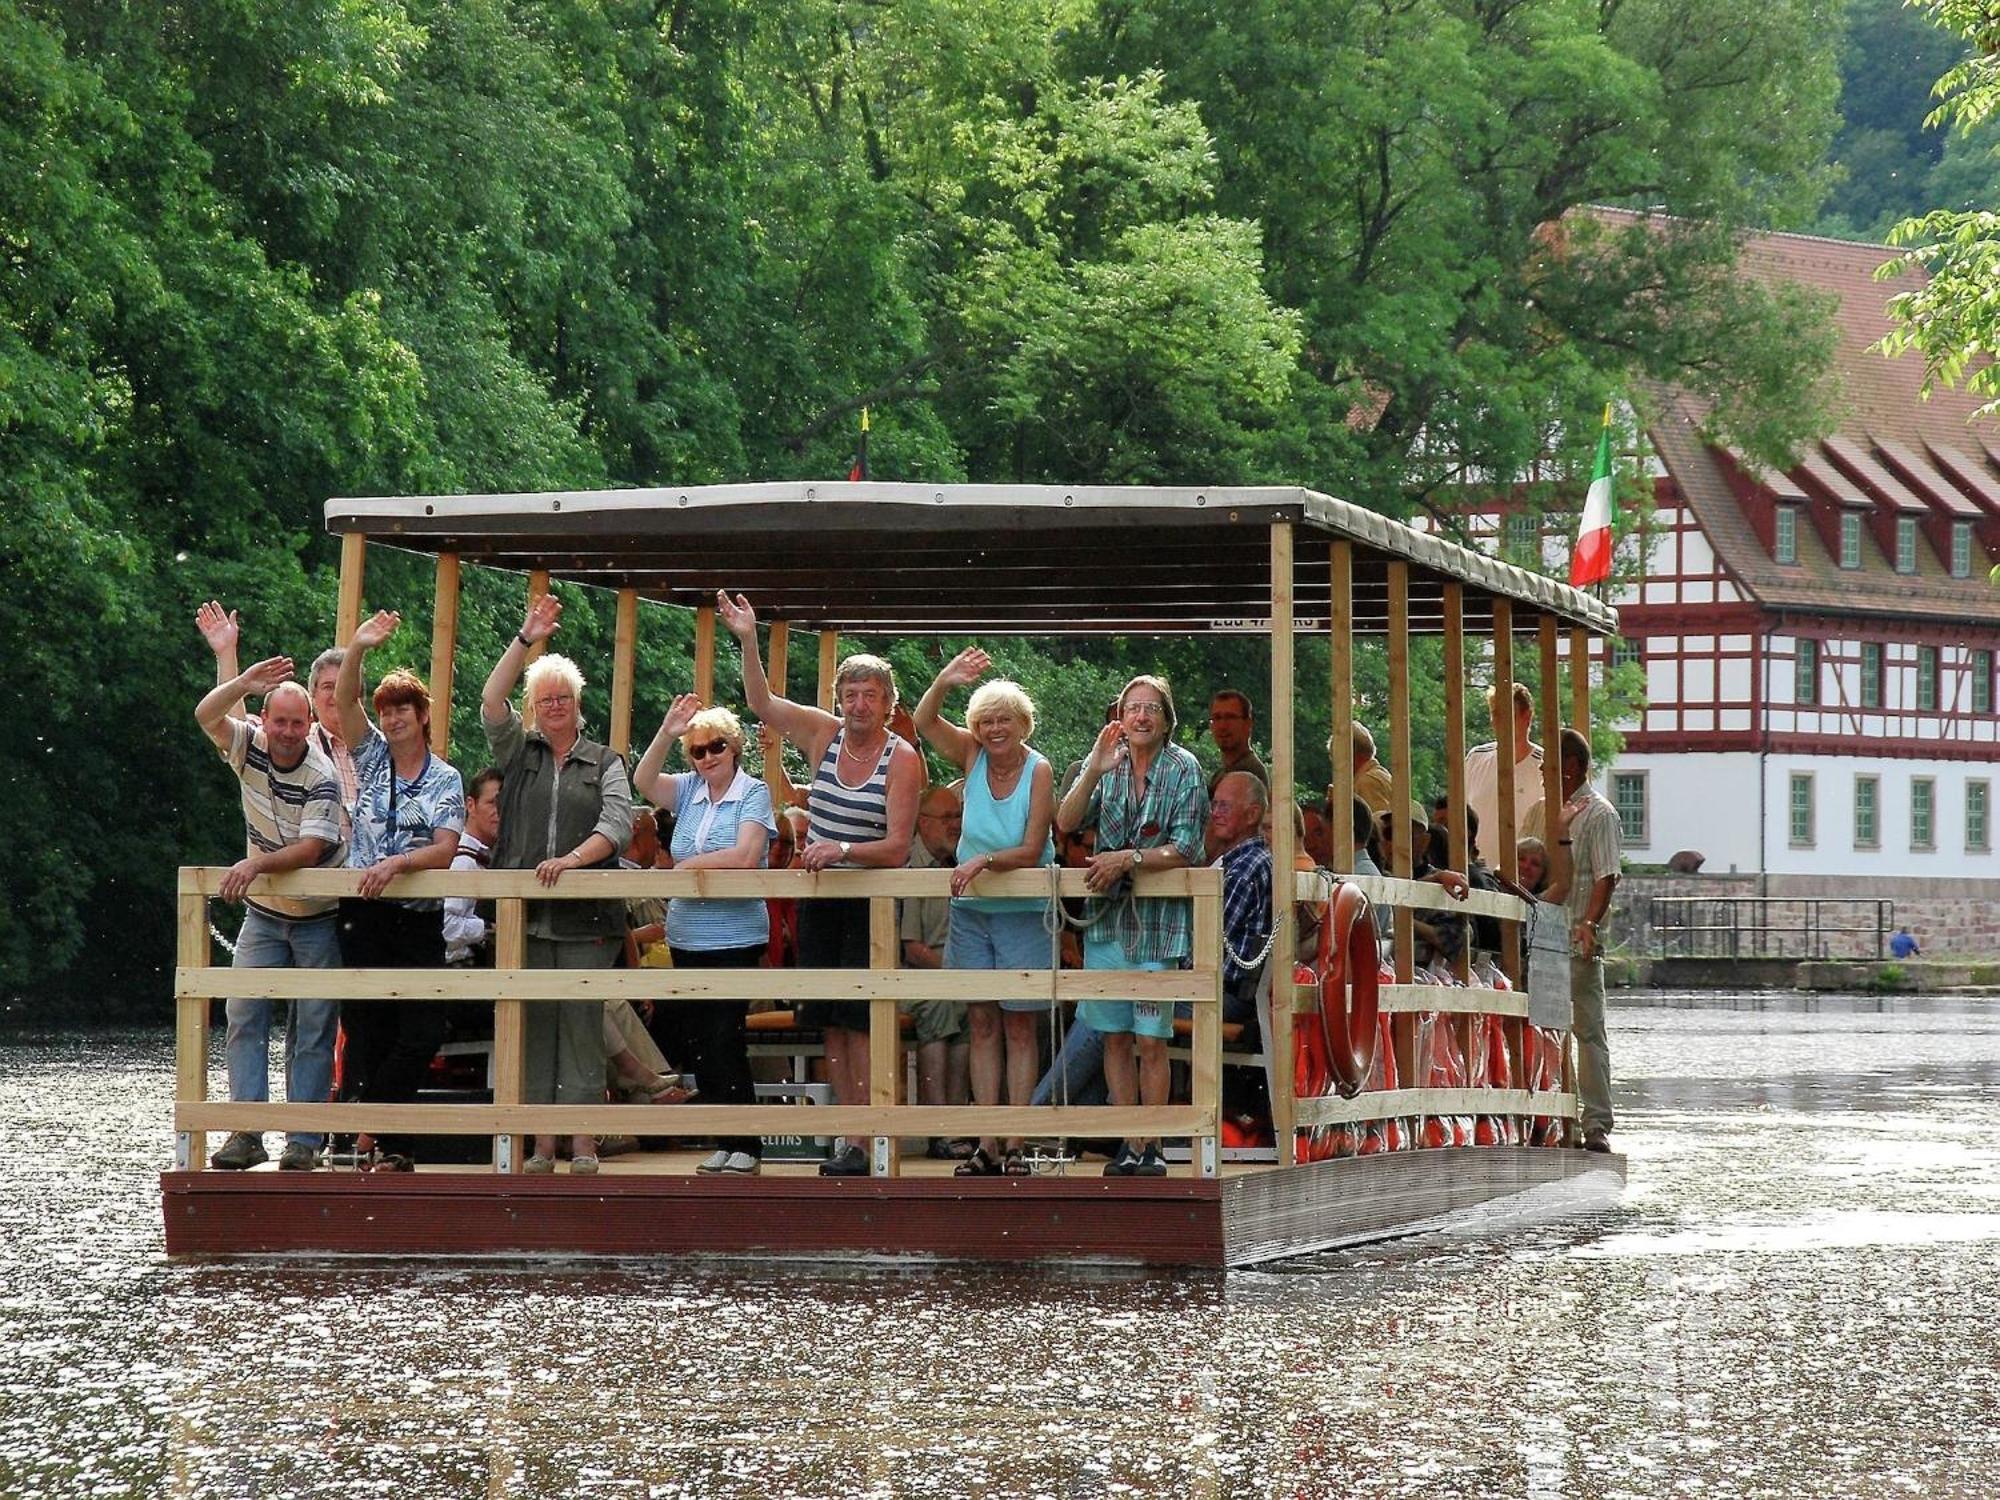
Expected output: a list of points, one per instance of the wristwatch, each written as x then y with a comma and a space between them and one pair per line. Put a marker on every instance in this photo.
846, 849
1138, 858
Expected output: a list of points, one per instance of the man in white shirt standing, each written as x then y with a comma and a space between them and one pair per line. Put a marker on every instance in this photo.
1587, 825
1482, 774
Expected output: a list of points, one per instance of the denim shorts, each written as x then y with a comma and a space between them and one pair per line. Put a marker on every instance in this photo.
999, 940
1140, 1017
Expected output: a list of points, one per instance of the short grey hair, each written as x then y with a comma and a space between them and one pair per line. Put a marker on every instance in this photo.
872, 668
328, 660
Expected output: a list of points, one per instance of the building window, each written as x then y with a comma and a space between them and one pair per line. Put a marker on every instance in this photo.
1787, 548
1978, 826
1867, 812
1524, 539
1906, 544
1871, 674
1961, 549
1628, 795
1927, 664
1850, 540
1805, 671
1802, 810
1627, 653
1982, 682
1923, 805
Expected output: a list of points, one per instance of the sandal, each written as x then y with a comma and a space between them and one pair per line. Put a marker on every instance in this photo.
1014, 1164
394, 1161
979, 1164
948, 1150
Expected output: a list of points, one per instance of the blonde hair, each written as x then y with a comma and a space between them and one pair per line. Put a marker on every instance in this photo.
715, 721
863, 665
1362, 739
1524, 701
545, 670
1001, 697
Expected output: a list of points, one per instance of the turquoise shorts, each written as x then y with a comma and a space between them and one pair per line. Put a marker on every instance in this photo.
1114, 1017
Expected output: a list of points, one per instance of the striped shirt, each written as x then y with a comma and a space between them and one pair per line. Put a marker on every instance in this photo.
703, 825
843, 814
281, 807
399, 815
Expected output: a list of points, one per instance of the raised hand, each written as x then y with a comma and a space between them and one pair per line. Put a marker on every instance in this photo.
736, 615
376, 629
217, 626
680, 713
1107, 749
966, 668
543, 618
267, 674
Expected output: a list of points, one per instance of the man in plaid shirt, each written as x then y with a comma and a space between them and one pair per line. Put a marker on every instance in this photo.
1235, 824
1144, 796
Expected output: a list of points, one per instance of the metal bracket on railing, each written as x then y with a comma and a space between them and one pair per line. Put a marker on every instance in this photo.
184, 1153
878, 1165
1211, 1155
503, 1154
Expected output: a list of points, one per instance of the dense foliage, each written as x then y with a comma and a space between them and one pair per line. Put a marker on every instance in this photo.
257, 255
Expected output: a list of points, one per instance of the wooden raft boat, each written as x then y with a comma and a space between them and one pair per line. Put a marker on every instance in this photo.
892, 560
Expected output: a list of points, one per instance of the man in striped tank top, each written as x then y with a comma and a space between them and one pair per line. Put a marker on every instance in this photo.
863, 810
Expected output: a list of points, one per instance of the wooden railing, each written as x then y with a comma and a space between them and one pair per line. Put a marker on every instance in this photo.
510, 984
1404, 1000
507, 986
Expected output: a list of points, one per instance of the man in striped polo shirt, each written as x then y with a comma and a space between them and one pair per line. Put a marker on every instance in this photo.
291, 820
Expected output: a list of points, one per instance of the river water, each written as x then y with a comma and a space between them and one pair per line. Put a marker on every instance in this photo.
1798, 1294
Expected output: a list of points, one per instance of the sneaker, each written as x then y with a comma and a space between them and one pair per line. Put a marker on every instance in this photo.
1597, 1140
742, 1164
847, 1161
1124, 1164
240, 1152
539, 1166
583, 1166
717, 1161
298, 1157
1152, 1164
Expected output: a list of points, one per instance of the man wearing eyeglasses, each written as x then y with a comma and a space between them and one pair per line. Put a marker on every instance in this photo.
1145, 797
1230, 722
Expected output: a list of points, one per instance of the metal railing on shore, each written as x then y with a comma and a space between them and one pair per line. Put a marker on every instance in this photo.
1804, 927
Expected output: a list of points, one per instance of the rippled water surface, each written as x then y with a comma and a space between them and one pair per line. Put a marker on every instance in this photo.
1798, 1295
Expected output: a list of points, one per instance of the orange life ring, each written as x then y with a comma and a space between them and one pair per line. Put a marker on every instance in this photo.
1350, 995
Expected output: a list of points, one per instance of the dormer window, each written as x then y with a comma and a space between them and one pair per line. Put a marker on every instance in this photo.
1906, 544
1850, 540
1961, 549
1785, 549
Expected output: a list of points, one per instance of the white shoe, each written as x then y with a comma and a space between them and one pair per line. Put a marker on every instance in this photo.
741, 1164
717, 1161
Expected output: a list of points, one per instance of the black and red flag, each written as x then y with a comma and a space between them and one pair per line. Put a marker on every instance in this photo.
860, 469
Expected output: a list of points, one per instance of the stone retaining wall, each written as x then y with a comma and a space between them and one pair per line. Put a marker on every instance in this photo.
1951, 919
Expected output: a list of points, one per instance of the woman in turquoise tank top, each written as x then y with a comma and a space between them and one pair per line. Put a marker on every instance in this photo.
1009, 807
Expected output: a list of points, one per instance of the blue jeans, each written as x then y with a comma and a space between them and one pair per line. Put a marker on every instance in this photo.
268, 942
1077, 1074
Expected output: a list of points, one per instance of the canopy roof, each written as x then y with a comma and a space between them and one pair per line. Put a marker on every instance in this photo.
920, 559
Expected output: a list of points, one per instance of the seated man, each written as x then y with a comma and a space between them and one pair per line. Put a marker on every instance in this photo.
1235, 828
291, 820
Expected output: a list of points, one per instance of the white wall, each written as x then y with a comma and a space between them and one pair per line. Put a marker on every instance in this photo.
1709, 802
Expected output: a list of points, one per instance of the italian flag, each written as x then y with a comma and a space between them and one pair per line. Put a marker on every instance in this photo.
1591, 561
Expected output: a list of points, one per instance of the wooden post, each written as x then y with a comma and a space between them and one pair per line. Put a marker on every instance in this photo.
829, 663
1579, 682
510, 951
444, 647
353, 563
704, 654
885, 1042
1340, 788
191, 1030
1403, 1027
1284, 846
1551, 717
1454, 746
624, 667
538, 585
775, 673
1205, 1048
1506, 836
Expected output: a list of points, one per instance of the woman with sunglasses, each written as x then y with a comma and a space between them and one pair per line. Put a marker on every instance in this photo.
722, 821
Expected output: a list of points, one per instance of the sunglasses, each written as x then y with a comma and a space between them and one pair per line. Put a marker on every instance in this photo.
702, 752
